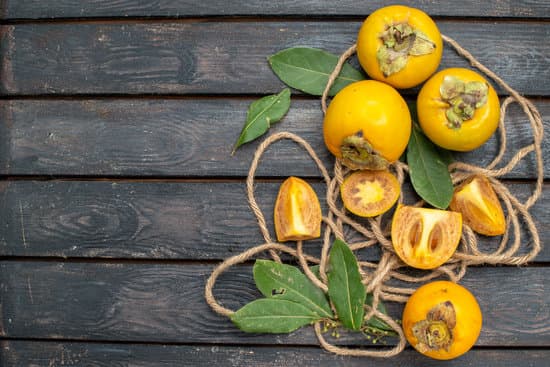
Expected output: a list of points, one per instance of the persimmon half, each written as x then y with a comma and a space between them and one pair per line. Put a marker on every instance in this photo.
297, 212
369, 193
425, 238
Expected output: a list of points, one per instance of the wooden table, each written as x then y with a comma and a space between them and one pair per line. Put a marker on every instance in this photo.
119, 193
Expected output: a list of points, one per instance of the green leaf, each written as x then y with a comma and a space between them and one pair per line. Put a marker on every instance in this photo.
345, 289
429, 171
375, 322
445, 155
262, 114
316, 270
270, 315
287, 282
308, 70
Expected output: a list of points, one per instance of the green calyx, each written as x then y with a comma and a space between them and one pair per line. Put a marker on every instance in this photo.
463, 99
399, 41
357, 153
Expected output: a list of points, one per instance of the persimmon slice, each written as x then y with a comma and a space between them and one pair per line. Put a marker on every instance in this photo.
425, 238
479, 205
297, 211
369, 193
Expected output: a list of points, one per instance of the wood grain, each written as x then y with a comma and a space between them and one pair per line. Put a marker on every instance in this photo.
159, 220
190, 56
165, 303
189, 137
118, 193
28, 353
50, 9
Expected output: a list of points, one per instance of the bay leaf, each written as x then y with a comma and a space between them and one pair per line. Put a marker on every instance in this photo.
374, 321
316, 270
269, 315
445, 155
308, 69
428, 169
261, 115
345, 289
282, 281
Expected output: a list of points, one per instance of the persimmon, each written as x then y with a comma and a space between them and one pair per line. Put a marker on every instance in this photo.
399, 45
425, 238
458, 109
476, 199
369, 193
442, 320
367, 125
297, 212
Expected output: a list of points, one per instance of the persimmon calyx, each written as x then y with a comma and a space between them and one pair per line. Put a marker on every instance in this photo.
358, 153
399, 41
463, 99
436, 331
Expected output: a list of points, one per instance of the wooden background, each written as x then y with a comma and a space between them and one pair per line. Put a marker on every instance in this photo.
119, 194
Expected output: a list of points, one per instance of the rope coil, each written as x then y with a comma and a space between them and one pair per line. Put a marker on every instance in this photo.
376, 276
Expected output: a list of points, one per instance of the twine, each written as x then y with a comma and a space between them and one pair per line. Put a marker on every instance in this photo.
378, 276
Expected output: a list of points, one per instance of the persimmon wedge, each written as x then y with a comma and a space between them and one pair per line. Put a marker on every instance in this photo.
369, 193
425, 238
297, 212
477, 201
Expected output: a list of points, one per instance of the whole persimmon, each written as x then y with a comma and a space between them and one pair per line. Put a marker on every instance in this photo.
367, 125
399, 45
442, 320
458, 109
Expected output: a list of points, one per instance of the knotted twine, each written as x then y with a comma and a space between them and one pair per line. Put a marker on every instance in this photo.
377, 276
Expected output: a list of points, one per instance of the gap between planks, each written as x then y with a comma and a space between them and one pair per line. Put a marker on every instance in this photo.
253, 18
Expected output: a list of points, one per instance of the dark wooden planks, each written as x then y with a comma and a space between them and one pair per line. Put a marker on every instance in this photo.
165, 303
189, 137
51, 9
191, 57
24, 354
159, 220
158, 299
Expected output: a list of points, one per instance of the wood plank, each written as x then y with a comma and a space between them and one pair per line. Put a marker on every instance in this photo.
167, 137
165, 303
29, 353
176, 221
190, 56
51, 9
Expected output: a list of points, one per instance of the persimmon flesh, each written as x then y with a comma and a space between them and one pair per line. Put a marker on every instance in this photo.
369, 193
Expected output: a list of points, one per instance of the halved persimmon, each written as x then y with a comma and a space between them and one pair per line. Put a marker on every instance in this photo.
369, 193
476, 199
297, 211
425, 238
